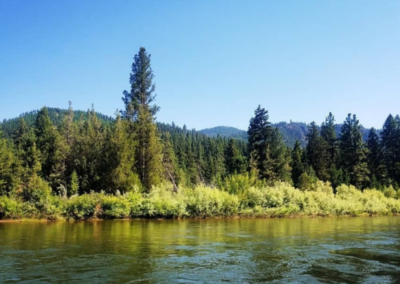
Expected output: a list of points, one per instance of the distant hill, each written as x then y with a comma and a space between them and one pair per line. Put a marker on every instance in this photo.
56, 115
225, 131
291, 132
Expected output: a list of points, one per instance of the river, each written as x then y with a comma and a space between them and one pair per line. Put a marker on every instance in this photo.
304, 250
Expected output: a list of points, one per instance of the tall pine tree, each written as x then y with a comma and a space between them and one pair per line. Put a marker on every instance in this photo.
140, 111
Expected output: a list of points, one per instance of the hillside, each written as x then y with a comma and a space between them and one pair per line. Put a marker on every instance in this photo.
291, 132
56, 115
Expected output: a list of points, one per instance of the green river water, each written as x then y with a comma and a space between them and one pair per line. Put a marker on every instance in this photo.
320, 250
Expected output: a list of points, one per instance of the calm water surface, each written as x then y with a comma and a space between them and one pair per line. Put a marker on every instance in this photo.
330, 250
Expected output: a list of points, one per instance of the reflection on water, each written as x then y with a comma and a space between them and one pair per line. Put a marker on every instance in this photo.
325, 250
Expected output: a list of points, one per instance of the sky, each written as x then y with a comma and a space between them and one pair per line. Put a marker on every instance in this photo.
214, 61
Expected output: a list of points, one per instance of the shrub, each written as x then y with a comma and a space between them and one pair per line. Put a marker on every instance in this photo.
204, 201
10, 208
84, 206
115, 207
389, 192
163, 202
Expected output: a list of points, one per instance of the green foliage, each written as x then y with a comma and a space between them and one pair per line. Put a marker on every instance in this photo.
353, 152
163, 202
121, 166
317, 153
140, 112
6, 167
74, 184
205, 202
297, 163
84, 206
115, 207
268, 154
10, 208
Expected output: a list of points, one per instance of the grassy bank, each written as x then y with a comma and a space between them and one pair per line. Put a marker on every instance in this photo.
280, 200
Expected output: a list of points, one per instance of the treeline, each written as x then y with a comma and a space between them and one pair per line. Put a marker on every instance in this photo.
72, 152
65, 154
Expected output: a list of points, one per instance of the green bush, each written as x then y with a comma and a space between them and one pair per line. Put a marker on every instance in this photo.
84, 206
389, 192
163, 202
204, 202
10, 208
115, 207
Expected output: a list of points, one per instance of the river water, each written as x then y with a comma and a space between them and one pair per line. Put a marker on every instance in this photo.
320, 250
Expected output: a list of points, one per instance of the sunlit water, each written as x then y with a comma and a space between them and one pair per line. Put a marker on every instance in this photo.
323, 250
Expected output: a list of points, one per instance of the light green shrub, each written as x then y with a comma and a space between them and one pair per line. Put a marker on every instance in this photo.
115, 207
389, 192
348, 192
204, 201
135, 200
84, 206
163, 202
10, 208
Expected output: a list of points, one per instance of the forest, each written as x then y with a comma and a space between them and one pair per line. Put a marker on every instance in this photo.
67, 164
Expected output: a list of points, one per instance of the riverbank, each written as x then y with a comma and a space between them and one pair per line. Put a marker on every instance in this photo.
280, 200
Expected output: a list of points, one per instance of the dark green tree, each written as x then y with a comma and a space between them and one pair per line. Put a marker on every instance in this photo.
297, 163
234, 161
391, 148
328, 133
138, 109
317, 152
266, 148
353, 153
6, 166
375, 159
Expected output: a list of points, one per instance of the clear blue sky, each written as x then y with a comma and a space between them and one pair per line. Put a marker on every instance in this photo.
214, 61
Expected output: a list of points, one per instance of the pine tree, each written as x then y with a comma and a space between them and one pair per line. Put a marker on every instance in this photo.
266, 148
138, 109
353, 153
120, 159
391, 147
234, 161
297, 163
376, 163
87, 153
49, 144
20, 133
171, 171
6, 166
328, 133
317, 152
74, 184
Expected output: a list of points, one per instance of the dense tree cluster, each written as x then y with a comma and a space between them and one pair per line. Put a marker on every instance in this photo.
69, 152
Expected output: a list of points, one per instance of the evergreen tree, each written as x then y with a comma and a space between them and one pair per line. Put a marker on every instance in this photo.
376, 164
328, 134
120, 159
317, 152
49, 144
353, 153
6, 166
391, 147
297, 163
138, 109
20, 133
169, 162
234, 161
87, 153
74, 184
266, 148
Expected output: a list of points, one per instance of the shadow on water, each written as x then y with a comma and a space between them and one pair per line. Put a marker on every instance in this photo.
342, 250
